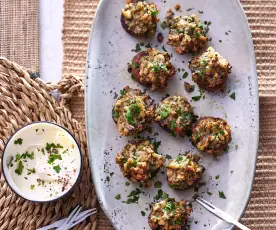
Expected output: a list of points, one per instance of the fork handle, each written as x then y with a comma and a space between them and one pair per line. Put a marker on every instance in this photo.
241, 226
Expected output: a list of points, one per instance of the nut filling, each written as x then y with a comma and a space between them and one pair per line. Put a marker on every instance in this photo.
175, 114
140, 18
210, 70
169, 214
152, 68
211, 135
184, 171
187, 34
133, 111
139, 162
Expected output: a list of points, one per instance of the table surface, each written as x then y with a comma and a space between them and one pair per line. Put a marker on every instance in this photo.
51, 50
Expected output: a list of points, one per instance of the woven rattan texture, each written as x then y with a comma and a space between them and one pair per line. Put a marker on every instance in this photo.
19, 36
261, 14
22, 101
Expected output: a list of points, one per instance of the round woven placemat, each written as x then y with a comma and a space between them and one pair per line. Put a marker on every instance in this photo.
22, 101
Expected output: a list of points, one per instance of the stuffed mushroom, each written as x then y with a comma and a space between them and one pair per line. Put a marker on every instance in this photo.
139, 18
175, 115
139, 162
210, 70
169, 214
187, 34
184, 171
152, 68
133, 112
211, 135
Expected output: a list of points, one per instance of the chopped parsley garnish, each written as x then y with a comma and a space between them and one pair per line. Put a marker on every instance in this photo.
164, 25
156, 68
132, 111
30, 171
196, 98
10, 163
19, 141
164, 113
209, 193
127, 183
24, 156
217, 177
118, 197
163, 48
154, 13
122, 92
20, 168
43, 151
53, 157
134, 65
57, 168
49, 146
172, 124
189, 9
156, 145
221, 195
179, 159
143, 213
185, 75
115, 113
148, 45
32, 186
157, 184
159, 194
133, 197
170, 207
197, 136
168, 157
36, 130
200, 12
137, 49
233, 96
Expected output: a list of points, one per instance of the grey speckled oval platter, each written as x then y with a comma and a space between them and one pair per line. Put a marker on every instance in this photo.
108, 54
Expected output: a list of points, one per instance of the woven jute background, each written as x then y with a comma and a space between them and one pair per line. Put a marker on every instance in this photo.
19, 32
23, 100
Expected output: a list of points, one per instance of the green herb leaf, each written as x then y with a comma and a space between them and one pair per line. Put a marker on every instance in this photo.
19, 141
196, 98
185, 75
164, 25
233, 96
157, 184
173, 124
156, 68
127, 183
221, 195
163, 48
53, 157
30, 171
137, 49
154, 13
10, 163
168, 157
133, 197
156, 145
32, 186
159, 194
57, 168
132, 111
209, 193
122, 92
134, 65
164, 113
20, 168
118, 197
143, 213
217, 177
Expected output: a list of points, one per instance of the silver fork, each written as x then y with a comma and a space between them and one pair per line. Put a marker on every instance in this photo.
221, 214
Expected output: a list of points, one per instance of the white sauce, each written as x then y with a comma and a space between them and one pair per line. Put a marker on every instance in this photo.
41, 179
